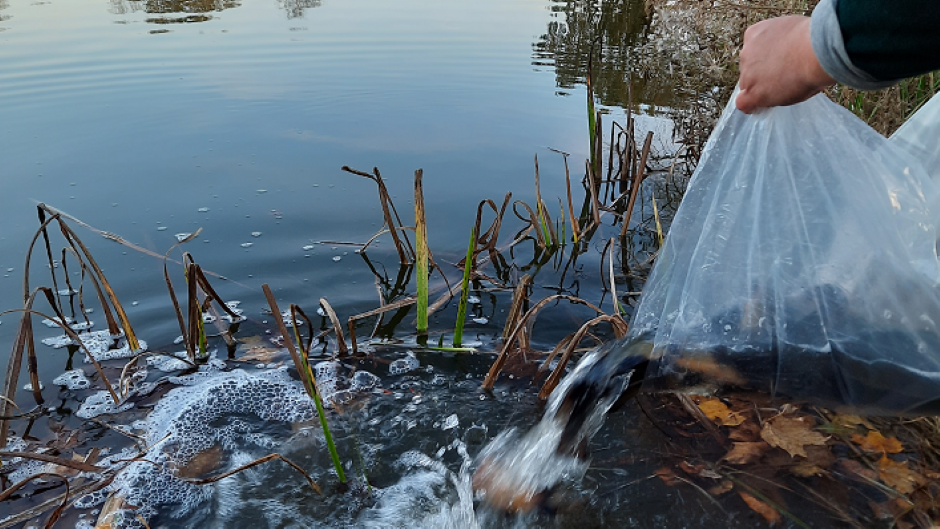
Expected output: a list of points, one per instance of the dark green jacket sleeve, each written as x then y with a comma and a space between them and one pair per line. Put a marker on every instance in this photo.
891, 39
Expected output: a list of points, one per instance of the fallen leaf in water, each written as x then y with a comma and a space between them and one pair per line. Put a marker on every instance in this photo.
744, 453
875, 442
791, 434
769, 513
259, 354
721, 488
717, 411
709, 367
202, 463
898, 476
851, 421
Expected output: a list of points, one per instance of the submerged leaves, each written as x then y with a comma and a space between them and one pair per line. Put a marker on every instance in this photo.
791, 434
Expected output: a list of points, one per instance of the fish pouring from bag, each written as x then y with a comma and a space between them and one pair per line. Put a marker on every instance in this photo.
518, 473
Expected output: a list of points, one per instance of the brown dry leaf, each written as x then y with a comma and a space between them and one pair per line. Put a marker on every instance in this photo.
875, 442
746, 453
667, 475
202, 463
898, 476
769, 513
791, 434
721, 488
709, 367
259, 354
851, 421
717, 411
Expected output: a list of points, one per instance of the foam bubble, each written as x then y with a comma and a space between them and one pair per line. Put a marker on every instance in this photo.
99, 344
168, 363
100, 403
186, 422
74, 379
404, 365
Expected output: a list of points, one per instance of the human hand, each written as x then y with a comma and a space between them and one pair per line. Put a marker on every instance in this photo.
778, 65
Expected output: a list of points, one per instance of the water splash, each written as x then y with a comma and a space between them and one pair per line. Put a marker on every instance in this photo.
517, 471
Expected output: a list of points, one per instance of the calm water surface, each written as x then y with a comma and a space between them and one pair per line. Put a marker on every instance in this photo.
237, 116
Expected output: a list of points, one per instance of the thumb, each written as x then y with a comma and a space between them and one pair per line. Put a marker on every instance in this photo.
745, 102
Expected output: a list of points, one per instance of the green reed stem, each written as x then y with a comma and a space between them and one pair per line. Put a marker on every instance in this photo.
465, 288
421, 266
315, 393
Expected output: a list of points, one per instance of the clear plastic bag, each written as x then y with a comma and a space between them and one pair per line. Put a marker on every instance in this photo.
802, 261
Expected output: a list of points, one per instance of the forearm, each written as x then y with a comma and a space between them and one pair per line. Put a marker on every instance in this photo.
871, 44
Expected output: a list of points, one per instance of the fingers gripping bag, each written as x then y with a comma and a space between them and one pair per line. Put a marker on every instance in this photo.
802, 261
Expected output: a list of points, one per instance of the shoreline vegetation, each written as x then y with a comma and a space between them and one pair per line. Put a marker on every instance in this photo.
742, 451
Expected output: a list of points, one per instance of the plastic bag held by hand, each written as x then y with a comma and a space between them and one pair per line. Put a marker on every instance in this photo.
802, 261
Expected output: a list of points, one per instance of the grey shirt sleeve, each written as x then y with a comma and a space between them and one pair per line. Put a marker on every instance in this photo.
826, 38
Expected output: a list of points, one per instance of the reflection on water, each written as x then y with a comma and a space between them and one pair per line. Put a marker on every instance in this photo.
3, 5
123, 7
198, 8
295, 8
613, 30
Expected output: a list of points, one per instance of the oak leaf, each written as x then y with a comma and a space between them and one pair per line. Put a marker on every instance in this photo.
769, 513
743, 453
791, 434
875, 442
718, 412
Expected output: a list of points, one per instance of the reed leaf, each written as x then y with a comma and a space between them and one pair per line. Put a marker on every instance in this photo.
465, 289
341, 348
620, 330
306, 375
540, 207
497, 366
421, 265
659, 226
637, 181
72, 237
256, 462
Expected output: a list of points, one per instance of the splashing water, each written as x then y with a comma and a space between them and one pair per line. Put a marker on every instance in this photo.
516, 472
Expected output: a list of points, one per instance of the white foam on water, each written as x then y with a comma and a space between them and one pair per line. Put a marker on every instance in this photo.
100, 403
101, 345
404, 365
184, 423
168, 364
73, 380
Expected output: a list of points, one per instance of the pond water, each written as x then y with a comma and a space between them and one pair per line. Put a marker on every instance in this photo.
150, 118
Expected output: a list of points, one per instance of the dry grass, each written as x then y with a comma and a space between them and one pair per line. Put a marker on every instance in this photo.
696, 45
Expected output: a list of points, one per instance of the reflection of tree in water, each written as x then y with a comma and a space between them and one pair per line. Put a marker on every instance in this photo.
123, 7
618, 26
295, 8
3, 5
